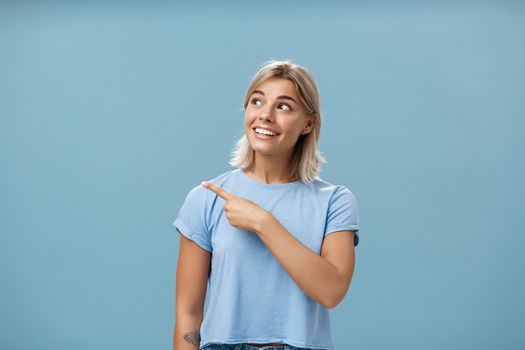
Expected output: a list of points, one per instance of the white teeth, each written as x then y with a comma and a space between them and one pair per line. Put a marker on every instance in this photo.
266, 132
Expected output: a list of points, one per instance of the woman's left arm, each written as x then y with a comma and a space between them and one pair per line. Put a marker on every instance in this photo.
319, 278
324, 278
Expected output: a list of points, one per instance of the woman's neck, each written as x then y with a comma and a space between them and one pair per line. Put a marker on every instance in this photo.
270, 171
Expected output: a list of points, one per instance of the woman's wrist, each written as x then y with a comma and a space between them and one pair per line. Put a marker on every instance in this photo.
263, 221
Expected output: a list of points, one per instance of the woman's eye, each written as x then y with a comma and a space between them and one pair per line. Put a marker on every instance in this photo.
284, 104
255, 100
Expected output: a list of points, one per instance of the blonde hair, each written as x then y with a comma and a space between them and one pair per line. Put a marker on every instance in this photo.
307, 158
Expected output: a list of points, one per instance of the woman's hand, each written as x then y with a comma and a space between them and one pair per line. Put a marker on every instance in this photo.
241, 212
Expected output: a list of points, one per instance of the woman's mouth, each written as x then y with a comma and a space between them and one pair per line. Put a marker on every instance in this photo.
262, 136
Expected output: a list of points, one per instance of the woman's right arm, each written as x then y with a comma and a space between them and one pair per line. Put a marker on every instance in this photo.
191, 283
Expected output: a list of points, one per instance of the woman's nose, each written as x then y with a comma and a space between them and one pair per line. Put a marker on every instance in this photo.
265, 114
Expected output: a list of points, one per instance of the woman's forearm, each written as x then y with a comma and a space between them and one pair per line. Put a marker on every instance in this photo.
315, 275
186, 335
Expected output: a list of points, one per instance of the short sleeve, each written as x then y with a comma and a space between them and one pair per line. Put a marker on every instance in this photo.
343, 213
192, 218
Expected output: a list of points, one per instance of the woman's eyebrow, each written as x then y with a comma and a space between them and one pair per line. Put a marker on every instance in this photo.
282, 97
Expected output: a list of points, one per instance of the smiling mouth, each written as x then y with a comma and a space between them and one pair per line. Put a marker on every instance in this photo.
263, 136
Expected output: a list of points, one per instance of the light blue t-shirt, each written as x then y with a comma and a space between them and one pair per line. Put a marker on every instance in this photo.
252, 299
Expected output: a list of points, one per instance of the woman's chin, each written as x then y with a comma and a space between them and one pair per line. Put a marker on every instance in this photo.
267, 151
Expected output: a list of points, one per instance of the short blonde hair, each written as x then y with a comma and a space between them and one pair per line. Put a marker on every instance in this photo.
307, 159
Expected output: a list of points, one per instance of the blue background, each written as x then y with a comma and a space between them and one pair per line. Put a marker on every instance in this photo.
111, 112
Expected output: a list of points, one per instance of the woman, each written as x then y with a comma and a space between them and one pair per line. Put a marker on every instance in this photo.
275, 240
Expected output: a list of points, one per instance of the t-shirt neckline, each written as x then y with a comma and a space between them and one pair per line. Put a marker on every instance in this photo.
262, 185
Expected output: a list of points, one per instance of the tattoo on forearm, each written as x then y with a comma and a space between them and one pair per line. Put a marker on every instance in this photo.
193, 337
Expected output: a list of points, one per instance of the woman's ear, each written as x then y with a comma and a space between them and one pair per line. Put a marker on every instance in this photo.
310, 124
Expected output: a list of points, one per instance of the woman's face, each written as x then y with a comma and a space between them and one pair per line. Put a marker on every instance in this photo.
275, 105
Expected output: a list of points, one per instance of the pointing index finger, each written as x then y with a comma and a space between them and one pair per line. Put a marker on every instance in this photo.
219, 191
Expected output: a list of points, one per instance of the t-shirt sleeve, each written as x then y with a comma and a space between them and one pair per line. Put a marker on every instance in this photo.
192, 220
343, 213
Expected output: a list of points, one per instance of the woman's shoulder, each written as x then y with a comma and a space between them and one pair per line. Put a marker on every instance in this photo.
219, 180
323, 184
332, 188
197, 190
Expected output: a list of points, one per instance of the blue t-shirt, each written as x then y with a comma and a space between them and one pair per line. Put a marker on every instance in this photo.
252, 299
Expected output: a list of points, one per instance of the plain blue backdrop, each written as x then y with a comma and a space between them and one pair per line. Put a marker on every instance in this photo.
111, 112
